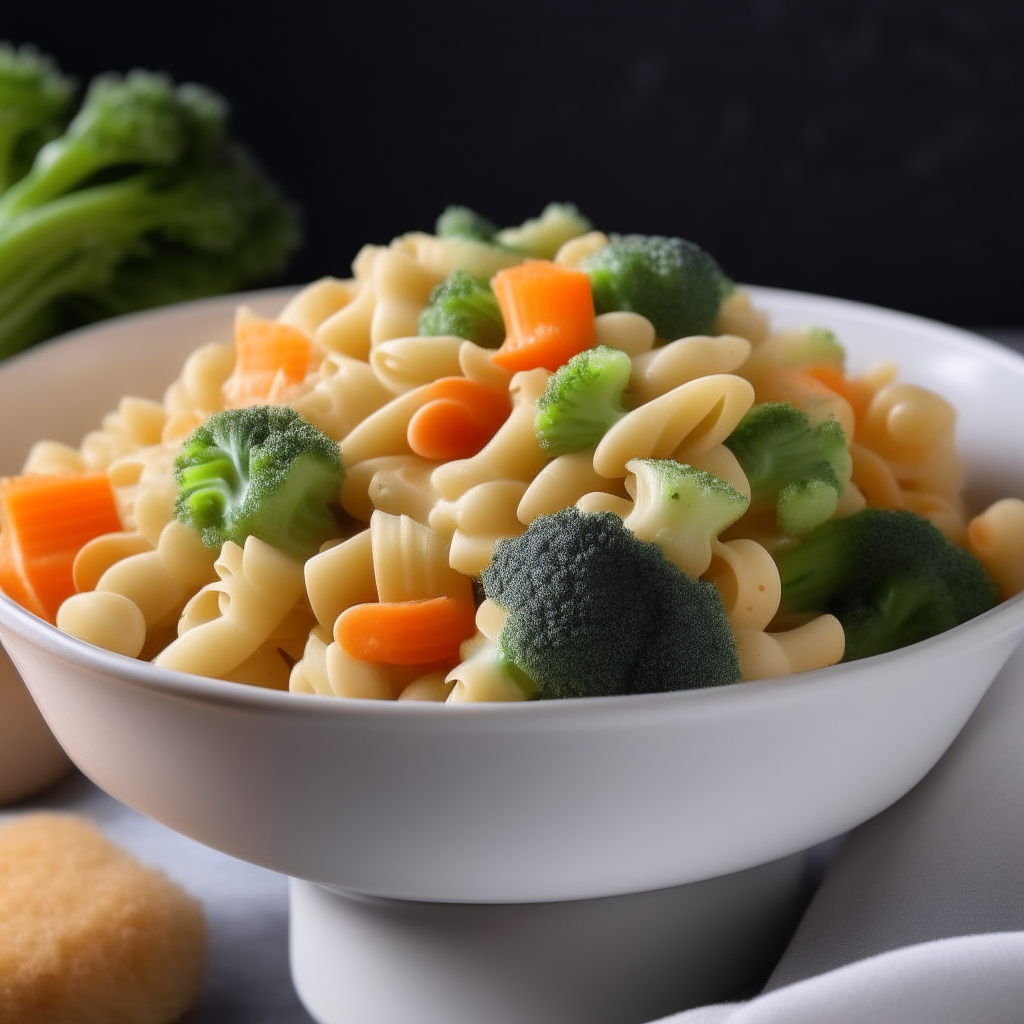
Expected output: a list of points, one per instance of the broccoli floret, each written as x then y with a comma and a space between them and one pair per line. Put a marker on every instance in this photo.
594, 611
888, 575
464, 306
799, 469
262, 471
682, 509
582, 400
674, 283
462, 222
541, 237
35, 102
143, 199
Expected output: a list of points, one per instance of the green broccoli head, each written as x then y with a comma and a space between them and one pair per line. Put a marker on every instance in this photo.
541, 237
799, 469
261, 471
674, 283
595, 611
582, 400
682, 509
464, 306
462, 222
888, 575
139, 121
35, 102
143, 200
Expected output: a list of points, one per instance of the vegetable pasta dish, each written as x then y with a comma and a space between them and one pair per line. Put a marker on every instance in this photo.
501, 465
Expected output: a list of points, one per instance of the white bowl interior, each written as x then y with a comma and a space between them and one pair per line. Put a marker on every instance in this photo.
542, 801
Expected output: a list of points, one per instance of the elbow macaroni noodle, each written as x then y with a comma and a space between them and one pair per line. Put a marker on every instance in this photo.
421, 530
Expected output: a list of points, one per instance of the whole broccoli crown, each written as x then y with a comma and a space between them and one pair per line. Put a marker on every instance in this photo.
582, 400
464, 306
142, 118
32, 89
462, 222
262, 471
593, 611
34, 102
889, 575
800, 468
674, 283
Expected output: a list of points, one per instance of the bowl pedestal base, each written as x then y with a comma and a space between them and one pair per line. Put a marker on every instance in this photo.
618, 960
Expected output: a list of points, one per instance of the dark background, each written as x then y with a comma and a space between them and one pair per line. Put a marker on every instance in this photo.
873, 150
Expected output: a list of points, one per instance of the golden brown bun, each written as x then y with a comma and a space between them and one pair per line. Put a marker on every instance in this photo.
87, 934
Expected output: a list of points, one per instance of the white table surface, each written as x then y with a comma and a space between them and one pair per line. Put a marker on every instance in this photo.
947, 860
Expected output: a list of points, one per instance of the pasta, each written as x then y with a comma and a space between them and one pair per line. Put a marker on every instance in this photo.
415, 523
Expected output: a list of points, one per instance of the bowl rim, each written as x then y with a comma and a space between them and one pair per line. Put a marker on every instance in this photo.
1000, 619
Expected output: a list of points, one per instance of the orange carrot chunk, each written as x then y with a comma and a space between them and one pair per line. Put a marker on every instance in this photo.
460, 417
45, 519
548, 312
267, 353
406, 632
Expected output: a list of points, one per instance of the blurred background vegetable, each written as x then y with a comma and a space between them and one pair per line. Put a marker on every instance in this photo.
141, 199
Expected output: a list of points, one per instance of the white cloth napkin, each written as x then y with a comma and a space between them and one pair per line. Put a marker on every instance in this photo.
921, 915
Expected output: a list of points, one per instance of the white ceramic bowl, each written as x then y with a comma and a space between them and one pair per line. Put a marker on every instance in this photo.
504, 803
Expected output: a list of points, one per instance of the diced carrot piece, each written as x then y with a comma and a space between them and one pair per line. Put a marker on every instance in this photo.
458, 419
406, 632
548, 312
45, 519
266, 352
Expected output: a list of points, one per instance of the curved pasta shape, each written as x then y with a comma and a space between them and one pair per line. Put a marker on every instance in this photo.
385, 431
719, 461
432, 687
850, 501
874, 478
137, 423
748, 580
481, 677
270, 665
402, 487
948, 515
346, 392
512, 454
203, 378
996, 538
309, 673
406, 363
630, 332
347, 331
561, 483
601, 501
99, 554
402, 286
816, 644
737, 315
410, 561
478, 520
160, 581
912, 429
111, 621
682, 424
316, 302
226, 622
658, 372
53, 457
576, 250
476, 365
443, 256
340, 577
